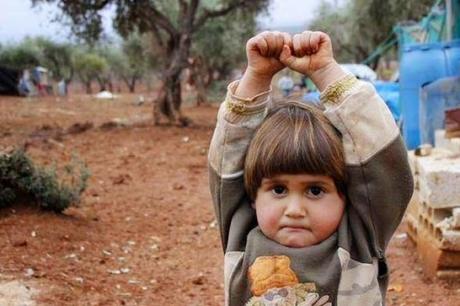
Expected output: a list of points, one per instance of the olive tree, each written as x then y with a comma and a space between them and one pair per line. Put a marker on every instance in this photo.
172, 24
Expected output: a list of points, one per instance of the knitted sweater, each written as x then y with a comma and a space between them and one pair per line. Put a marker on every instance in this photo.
349, 267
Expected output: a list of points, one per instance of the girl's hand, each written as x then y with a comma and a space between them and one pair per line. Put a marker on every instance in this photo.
263, 52
311, 54
311, 51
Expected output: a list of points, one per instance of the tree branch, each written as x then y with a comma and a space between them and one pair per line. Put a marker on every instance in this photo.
183, 7
191, 14
99, 4
212, 14
158, 38
157, 18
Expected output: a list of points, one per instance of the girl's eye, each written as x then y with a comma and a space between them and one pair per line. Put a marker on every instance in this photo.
315, 191
279, 190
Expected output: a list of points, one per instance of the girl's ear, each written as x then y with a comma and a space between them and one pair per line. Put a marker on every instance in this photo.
253, 204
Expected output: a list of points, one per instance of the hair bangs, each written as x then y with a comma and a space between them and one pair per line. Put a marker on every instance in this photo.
294, 139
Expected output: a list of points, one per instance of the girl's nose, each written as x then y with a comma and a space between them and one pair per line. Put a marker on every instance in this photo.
295, 208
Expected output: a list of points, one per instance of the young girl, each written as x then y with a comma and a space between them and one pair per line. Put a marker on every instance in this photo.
307, 200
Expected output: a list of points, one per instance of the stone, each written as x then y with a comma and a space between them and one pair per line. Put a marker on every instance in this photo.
435, 261
456, 218
451, 144
438, 179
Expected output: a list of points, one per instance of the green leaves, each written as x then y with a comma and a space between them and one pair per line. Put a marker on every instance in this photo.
359, 26
20, 180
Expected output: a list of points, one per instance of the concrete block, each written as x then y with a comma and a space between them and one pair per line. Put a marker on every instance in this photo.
437, 262
436, 216
439, 179
412, 161
412, 226
413, 209
451, 144
442, 233
412, 158
411, 216
456, 218
450, 240
436, 239
440, 140
438, 222
455, 145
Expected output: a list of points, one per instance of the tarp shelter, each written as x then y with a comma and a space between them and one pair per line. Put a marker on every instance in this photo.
9, 79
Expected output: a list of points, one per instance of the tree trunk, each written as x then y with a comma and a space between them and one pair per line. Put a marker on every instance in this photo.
170, 102
201, 88
88, 87
110, 84
201, 94
200, 80
101, 84
132, 85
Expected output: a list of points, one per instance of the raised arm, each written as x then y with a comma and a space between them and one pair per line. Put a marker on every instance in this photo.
379, 179
239, 116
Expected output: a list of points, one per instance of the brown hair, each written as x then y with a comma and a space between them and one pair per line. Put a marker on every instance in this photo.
294, 138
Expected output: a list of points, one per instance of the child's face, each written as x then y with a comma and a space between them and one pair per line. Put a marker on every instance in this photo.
298, 210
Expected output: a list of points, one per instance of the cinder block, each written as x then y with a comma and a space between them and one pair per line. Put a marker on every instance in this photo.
448, 239
455, 145
412, 226
440, 140
451, 144
411, 217
437, 241
437, 262
413, 166
413, 207
412, 161
456, 217
438, 222
439, 179
435, 215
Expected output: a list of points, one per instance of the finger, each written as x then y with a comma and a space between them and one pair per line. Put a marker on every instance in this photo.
297, 45
287, 38
319, 40
314, 41
305, 42
251, 45
279, 38
324, 40
288, 59
271, 42
262, 46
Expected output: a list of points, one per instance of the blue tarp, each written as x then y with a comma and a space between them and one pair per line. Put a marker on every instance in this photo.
389, 91
435, 98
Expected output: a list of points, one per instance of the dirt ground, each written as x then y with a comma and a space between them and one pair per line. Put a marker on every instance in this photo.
145, 232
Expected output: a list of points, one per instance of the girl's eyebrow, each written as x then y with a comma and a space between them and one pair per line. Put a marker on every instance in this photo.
319, 183
316, 181
269, 181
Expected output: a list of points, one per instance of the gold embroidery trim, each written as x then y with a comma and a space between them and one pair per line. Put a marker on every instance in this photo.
240, 108
337, 90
